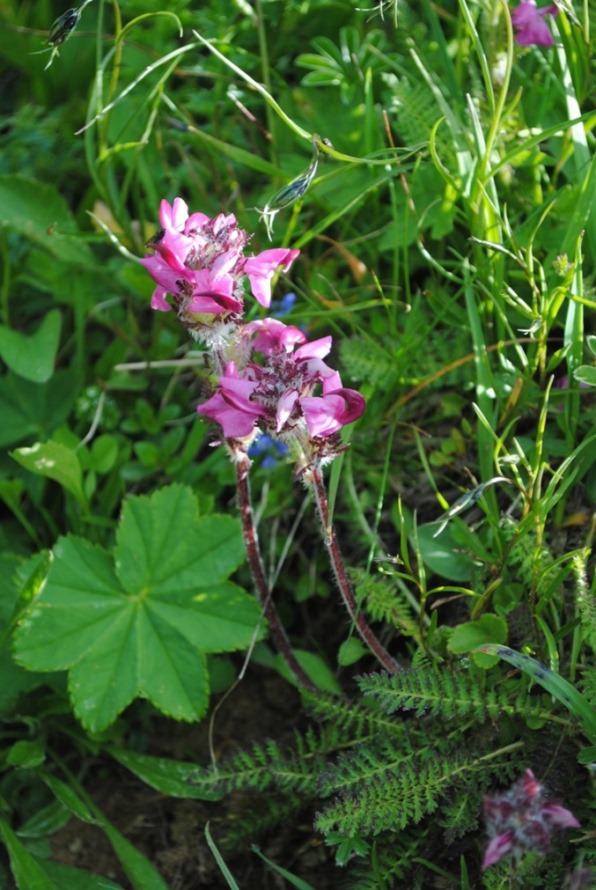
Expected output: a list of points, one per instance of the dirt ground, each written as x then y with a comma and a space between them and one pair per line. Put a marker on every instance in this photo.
170, 831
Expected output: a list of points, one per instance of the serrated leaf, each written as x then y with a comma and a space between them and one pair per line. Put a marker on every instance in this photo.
33, 356
55, 461
142, 625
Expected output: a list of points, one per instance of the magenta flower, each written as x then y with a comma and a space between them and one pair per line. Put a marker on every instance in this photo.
260, 270
200, 263
530, 27
285, 388
232, 406
521, 819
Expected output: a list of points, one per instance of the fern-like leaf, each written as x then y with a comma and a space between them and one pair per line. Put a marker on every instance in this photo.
355, 721
448, 694
266, 766
384, 601
394, 798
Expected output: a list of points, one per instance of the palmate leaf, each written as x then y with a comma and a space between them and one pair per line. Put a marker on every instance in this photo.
140, 622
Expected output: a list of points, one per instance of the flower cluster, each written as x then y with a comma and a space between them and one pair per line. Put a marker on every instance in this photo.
275, 390
200, 263
530, 27
271, 379
522, 819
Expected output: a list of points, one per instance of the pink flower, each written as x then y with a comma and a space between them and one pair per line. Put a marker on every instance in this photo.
260, 270
521, 819
232, 407
529, 24
200, 263
285, 388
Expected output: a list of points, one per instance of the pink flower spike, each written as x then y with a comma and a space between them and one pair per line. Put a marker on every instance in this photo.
530, 27
260, 270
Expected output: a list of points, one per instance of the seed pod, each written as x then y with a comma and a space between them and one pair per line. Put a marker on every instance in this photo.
63, 27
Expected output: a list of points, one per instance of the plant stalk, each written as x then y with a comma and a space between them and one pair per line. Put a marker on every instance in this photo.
315, 477
280, 639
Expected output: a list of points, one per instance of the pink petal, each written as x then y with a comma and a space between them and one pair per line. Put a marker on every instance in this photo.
158, 299
326, 415
498, 847
235, 424
163, 273
559, 816
285, 407
314, 349
260, 270
530, 26
175, 216
273, 335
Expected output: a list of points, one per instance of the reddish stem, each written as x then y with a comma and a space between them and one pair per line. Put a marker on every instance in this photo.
343, 582
280, 639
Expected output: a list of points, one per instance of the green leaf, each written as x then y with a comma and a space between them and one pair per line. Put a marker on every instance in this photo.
27, 871
55, 461
37, 211
45, 821
293, 880
141, 873
25, 754
442, 554
32, 357
316, 668
69, 878
466, 637
170, 777
586, 374
69, 799
554, 684
34, 410
229, 878
351, 651
141, 625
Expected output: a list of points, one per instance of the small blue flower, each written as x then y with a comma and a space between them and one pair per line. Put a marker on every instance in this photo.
284, 306
269, 449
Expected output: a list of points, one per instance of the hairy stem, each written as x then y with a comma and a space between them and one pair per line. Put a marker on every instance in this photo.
280, 639
315, 478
